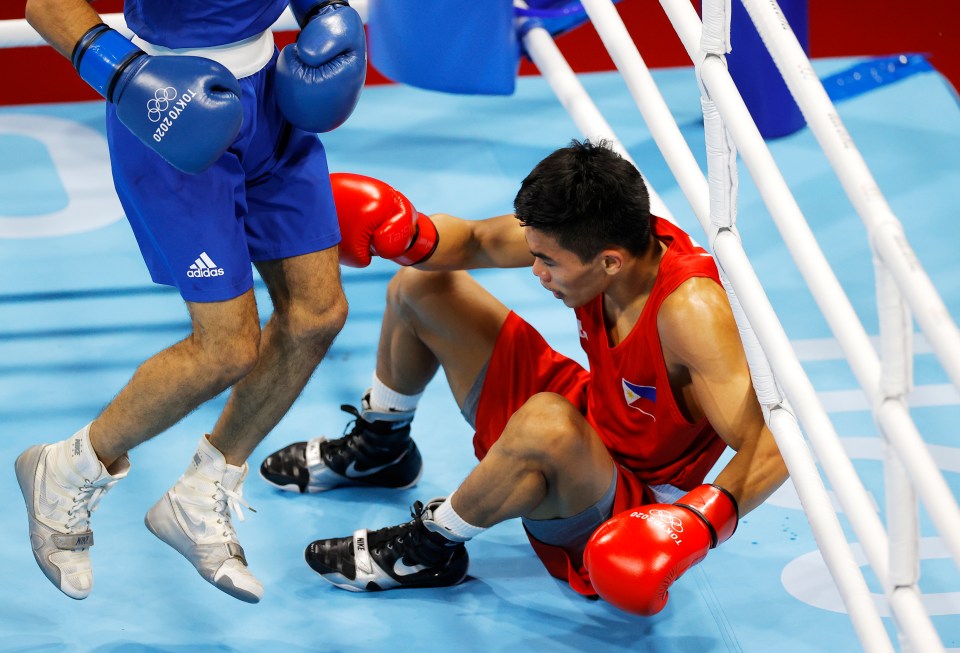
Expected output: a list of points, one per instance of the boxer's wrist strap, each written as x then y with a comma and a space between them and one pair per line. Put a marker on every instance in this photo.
84, 42
101, 55
716, 507
424, 244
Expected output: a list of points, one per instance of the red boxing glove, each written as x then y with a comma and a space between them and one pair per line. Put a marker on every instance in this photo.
634, 557
376, 219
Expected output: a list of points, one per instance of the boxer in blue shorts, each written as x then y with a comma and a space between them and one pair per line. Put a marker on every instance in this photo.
215, 157
199, 232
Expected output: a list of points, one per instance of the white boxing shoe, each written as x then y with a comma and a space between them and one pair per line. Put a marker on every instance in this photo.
62, 484
194, 517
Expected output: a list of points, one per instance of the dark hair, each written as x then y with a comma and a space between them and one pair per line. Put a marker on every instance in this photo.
588, 197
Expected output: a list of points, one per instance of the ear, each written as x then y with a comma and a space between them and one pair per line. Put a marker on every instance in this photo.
611, 260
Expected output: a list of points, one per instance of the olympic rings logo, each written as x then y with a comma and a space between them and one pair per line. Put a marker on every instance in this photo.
162, 98
668, 519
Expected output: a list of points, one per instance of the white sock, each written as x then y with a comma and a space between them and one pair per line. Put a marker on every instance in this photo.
383, 398
455, 528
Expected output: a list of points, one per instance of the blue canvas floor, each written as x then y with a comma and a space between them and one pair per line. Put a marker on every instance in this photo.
78, 314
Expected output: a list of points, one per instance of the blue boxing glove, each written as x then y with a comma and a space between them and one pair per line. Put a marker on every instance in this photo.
187, 109
319, 78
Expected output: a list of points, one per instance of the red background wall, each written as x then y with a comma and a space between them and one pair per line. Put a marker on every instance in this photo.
848, 28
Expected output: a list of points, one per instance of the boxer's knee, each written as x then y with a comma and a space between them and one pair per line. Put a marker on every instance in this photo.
226, 352
310, 324
409, 289
547, 432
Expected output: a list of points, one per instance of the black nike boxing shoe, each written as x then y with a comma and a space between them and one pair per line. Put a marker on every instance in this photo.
414, 554
377, 451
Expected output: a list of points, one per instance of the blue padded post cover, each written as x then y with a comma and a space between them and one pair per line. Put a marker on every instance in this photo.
751, 66
454, 46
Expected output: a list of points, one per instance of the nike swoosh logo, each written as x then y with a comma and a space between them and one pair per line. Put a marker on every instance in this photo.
48, 504
196, 526
352, 472
402, 569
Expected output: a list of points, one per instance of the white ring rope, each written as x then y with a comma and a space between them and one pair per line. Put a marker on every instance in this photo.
733, 261
905, 601
797, 235
885, 230
563, 81
17, 33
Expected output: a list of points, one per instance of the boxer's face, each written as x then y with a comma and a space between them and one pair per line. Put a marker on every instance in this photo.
571, 280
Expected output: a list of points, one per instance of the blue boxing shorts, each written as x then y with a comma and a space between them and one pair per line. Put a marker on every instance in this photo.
268, 197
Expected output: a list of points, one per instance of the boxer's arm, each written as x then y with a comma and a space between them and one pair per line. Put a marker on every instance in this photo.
468, 244
61, 23
376, 219
700, 337
635, 556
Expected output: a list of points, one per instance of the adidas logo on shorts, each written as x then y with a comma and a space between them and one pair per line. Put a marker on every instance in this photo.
204, 267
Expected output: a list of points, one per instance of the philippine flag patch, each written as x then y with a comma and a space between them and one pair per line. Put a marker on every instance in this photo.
640, 397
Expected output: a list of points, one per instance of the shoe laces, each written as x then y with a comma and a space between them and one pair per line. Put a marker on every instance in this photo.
393, 537
421, 547
226, 503
85, 501
354, 428
351, 443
